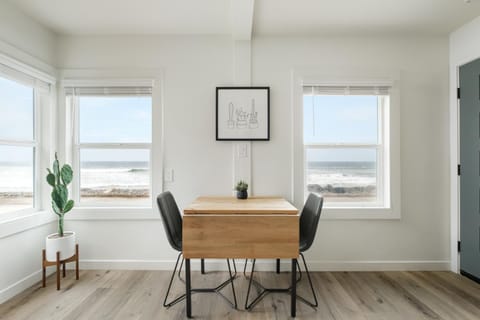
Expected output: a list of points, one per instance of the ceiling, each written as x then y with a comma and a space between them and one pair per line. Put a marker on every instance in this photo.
432, 17
270, 17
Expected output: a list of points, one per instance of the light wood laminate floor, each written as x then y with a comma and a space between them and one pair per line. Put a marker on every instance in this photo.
342, 295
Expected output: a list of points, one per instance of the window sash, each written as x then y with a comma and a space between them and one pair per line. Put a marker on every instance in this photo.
72, 94
28, 143
382, 93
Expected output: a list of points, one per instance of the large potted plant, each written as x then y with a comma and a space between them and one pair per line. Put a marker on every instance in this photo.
62, 241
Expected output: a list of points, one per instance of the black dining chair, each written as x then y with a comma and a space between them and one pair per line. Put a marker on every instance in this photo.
172, 222
309, 219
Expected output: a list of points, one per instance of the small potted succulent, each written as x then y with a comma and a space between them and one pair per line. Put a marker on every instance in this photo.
62, 241
242, 188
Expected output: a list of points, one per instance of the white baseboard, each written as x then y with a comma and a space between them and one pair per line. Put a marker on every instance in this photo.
269, 265
25, 283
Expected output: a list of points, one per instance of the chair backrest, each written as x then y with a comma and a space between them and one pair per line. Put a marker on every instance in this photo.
309, 220
171, 218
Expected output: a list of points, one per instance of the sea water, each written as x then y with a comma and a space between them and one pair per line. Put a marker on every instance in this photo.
97, 180
349, 180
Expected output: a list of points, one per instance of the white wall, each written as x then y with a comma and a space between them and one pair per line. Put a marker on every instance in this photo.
26, 41
464, 47
422, 233
193, 66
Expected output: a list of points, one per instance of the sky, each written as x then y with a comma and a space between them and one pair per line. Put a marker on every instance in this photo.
16, 111
334, 119
115, 120
16, 120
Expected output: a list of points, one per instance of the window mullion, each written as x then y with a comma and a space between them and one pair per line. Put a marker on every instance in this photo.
342, 146
17, 143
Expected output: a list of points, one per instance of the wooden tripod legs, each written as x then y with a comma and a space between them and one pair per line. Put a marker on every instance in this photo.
59, 263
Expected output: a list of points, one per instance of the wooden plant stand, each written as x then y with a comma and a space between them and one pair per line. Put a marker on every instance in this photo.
57, 263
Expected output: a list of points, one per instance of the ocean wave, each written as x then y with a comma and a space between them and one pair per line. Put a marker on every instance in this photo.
138, 170
137, 192
367, 190
16, 194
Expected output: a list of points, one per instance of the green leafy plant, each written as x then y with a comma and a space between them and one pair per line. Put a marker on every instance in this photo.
241, 186
59, 179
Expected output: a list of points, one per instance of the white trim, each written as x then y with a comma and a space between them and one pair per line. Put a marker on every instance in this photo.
306, 75
454, 114
108, 77
345, 82
21, 285
24, 68
114, 82
269, 265
77, 146
372, 213
407, 265
35, 143
25, 222
86, 213
454, 178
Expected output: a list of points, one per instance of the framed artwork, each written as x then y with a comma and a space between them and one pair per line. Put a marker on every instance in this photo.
243, 113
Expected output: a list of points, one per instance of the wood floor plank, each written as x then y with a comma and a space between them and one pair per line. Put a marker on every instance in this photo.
442, 291
342, 295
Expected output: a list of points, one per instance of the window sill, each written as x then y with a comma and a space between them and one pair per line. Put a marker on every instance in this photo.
360, 214
112, 214
25, 222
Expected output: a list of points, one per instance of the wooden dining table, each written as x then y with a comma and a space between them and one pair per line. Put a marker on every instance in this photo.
229, 228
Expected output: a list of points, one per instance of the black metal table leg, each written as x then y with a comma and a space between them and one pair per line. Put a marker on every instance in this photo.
202, 265
294, 289
188, 287
278, 265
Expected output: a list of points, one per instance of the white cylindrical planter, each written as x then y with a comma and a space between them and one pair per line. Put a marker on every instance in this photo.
65, 245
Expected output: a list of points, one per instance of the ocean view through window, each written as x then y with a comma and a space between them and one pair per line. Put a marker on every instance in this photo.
17, 146
112, 155
345, 145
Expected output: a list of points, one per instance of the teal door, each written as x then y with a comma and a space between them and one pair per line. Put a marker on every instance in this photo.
470, 169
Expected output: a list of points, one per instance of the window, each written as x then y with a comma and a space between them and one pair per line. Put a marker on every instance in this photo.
346, 138
18, 146
112, 146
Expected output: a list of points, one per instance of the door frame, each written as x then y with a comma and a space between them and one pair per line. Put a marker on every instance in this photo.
454, 161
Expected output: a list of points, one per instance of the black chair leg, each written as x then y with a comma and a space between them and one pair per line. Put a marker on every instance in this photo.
265, 291
217, 289
312, 304
179, 298
260, 296
202, 266
278, 269
232, 277
245, 268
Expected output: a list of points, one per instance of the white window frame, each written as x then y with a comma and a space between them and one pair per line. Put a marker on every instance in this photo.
78, 146
115, 78
340, 76
42, 86
383, 174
